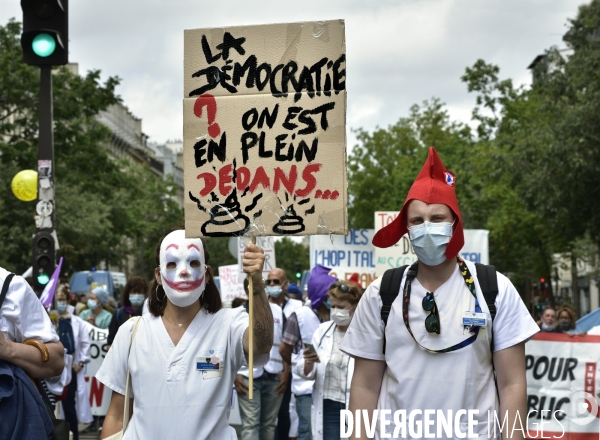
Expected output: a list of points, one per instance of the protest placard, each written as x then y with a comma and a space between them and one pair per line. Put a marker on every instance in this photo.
98, 393
346, 255
563, 386
231, 286
476, 246
264, 116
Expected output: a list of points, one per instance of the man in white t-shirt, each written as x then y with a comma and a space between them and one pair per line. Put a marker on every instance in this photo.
22, 317
259, 415
429, 360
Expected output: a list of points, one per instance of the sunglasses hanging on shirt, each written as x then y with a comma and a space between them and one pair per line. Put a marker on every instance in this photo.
432, 322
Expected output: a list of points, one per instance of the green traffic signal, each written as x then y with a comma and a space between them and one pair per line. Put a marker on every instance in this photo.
298, 275
43, 45
43, 279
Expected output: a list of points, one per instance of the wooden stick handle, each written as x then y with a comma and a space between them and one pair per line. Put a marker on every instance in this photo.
251, 334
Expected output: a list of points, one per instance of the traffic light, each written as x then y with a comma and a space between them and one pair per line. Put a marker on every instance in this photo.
43, 259
45, 38
298, 271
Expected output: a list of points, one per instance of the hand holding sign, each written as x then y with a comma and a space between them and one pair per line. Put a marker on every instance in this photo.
252, 263
275, 163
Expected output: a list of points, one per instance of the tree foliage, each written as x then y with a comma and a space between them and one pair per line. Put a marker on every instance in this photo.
383, 165
288, 253
529, 173
106, 209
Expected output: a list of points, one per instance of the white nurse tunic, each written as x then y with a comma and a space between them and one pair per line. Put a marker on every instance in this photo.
181, 391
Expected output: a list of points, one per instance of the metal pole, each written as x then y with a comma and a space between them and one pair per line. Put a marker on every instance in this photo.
45, 218
45, 208
46, 140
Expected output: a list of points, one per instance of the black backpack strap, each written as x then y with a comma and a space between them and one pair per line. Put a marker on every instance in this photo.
388, 290
488, 281
5, 288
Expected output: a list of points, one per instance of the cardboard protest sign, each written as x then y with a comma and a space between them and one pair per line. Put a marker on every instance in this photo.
98, 393
231, 286
476, 246
346, 255
563, 386
264, 116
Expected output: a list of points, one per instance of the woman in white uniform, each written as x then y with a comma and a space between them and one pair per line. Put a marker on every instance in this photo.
76, 407
187, 350
330, 368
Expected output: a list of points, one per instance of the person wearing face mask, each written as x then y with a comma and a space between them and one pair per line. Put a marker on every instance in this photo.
95, 314
134, 294
439, 347
548, 323
566, 322
298, 330
330, 368
74, 336
280, 292
185, 354
260, 414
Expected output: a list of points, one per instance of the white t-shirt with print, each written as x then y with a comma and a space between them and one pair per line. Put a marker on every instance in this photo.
172, 397
416, 379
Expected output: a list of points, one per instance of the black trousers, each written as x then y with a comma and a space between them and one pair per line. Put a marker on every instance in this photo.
282, 430
69, 407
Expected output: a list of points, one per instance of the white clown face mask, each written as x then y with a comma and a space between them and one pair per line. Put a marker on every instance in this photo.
182, 268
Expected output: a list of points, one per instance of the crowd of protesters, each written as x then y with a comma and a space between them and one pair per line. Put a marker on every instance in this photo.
298, 394
180, 352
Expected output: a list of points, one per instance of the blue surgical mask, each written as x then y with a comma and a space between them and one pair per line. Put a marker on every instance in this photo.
92, 304
430, 240
328, 304
273, 291
136, 299
61, 307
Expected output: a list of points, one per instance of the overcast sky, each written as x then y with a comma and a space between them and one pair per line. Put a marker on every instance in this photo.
399, 52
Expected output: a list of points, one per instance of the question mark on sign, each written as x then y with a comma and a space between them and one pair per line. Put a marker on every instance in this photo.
210, 103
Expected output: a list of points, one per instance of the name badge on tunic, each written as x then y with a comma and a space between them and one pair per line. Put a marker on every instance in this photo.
210, 364
474, 318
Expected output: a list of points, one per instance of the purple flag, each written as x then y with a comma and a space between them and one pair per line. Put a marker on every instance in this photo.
48, 293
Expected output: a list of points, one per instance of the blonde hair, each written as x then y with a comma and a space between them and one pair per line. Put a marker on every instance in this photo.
352, 294
569, 311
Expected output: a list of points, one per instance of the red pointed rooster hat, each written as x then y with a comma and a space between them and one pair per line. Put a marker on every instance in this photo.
434, 184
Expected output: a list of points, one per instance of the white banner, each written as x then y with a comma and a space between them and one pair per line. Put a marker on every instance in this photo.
231, 287
476, 246
345, 255
563, 386
99, 394
268, 245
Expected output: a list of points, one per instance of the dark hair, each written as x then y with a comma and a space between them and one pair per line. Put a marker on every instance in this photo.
210, 298
237, 302
134, 284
